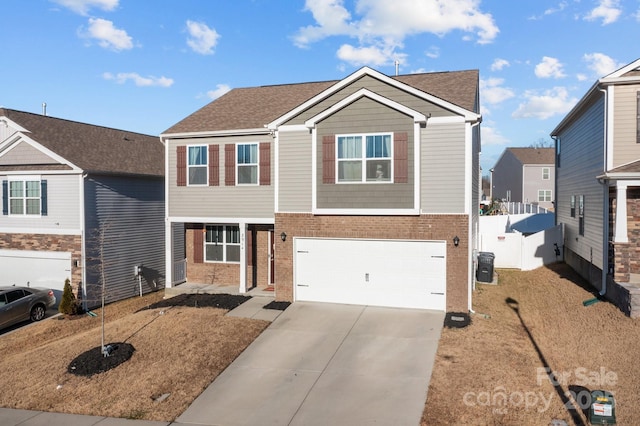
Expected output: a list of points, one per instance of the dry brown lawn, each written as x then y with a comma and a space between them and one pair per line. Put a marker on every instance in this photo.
493, 371
178, 351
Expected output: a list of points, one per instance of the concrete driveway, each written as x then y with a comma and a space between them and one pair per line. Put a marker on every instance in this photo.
320, 364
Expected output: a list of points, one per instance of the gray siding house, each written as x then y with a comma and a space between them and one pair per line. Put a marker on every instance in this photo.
362, 190
525, 175
598, 186
74, 193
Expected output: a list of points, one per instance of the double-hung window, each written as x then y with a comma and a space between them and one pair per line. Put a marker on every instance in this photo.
573, 206
24, 197
581, 215
544, 195
247, 164
546, 173
365, 158
197, 165
222, 243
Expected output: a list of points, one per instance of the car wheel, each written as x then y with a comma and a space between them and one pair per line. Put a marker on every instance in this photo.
37, 313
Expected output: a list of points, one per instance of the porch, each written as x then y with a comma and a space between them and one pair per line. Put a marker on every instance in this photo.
202, 288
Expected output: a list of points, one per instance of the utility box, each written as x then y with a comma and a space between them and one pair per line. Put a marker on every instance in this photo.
603, 408
484, 273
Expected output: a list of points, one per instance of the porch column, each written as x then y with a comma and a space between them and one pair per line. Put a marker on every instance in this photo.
620, 235
243, 258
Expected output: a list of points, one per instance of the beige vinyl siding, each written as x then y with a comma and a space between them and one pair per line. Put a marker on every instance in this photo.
533, 182
220, 201
294, 187
625, 147
581, 160
378, 87
63, 206
443, 168
365, 116
6, 132
23, 153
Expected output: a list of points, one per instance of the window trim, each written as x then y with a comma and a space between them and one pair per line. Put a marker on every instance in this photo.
256, 164
205, 165
224, 244
364, 159
544, 193
24, 179
548, 173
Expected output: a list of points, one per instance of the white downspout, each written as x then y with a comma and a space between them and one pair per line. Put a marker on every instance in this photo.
470, 230
83, 241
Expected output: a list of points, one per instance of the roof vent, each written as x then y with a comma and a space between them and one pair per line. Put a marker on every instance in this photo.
44, 109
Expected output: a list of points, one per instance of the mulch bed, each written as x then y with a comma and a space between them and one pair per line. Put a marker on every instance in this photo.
94, 362
221, 301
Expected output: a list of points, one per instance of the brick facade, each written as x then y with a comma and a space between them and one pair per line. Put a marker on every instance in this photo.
423, 227
229, 273
44, 242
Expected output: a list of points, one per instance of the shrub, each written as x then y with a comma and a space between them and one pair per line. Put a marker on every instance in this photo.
68, 304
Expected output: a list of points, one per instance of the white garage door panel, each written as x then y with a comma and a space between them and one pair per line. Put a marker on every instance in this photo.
38, 268
408, 274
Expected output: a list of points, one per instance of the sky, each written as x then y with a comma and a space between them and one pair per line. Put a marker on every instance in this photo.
143, 66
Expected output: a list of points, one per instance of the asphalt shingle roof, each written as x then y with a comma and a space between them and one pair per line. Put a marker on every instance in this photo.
534, 155
254, 107
95, 149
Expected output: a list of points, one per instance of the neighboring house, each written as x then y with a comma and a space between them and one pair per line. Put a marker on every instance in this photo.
598, 186
349, 191
525, 175
64, 184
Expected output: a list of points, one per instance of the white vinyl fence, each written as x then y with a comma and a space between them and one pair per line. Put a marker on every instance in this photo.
512, 249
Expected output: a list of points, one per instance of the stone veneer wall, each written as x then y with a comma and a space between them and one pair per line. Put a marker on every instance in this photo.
45, 242
423, 227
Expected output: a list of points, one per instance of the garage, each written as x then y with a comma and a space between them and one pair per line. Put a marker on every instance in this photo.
47, 269
393, 273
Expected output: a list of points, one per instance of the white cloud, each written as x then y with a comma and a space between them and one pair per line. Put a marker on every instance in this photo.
546, 104
608, 10
385, 24
220, 90
371, 55
549, 68
202, 38
82, 7
491, 136
492, 93
582, 77
138, 80
601, 64
107, 35
433, 52
498, 64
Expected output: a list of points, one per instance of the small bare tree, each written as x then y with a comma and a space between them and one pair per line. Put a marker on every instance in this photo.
98, 263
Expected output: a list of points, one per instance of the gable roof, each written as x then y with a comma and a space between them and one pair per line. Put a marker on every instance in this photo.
534, 155
255, 107
94, 149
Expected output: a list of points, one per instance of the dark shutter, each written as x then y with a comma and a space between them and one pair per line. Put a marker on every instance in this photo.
329, 159
181, 165
400, 157
265, 163
43, 197
230, 164
5, 197
198, 245
214, 165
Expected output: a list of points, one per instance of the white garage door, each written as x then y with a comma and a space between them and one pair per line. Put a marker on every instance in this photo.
407, 274
46, 269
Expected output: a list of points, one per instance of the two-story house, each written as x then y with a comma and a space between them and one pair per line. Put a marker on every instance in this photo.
598, 186
78, 201
525, 175
362, 190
